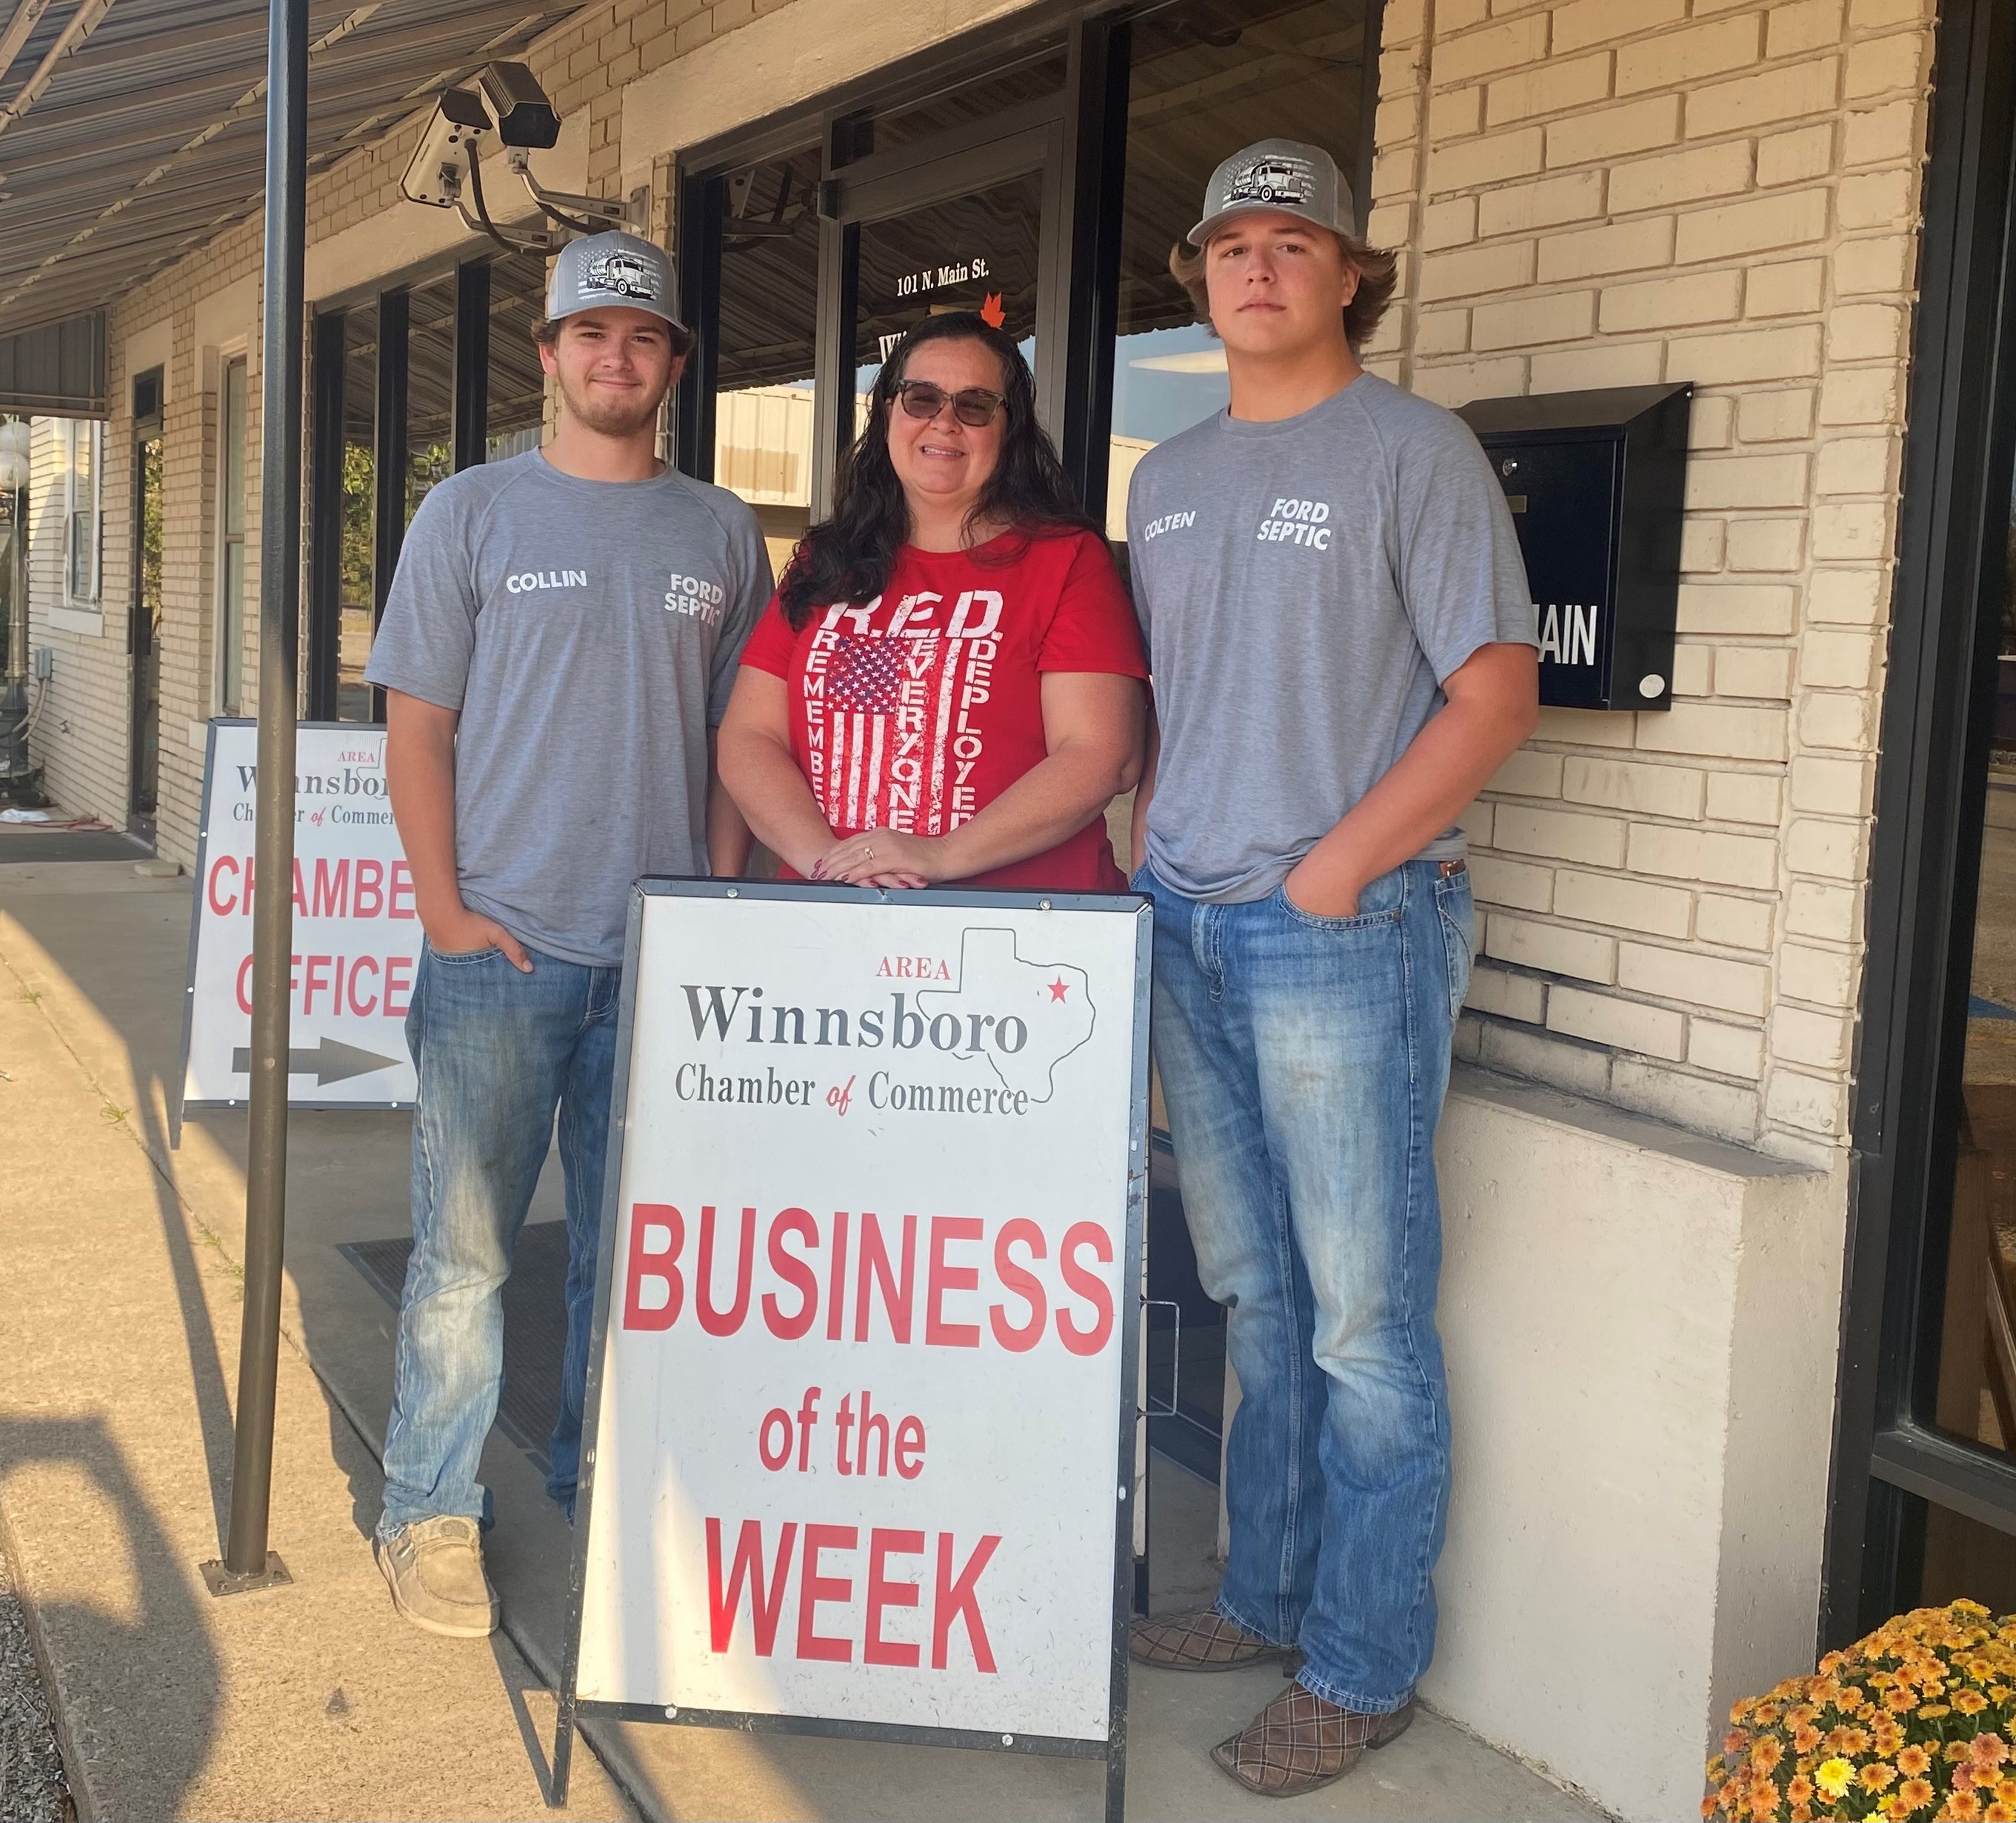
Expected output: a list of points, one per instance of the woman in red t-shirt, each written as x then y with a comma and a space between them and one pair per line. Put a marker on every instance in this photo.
949, 685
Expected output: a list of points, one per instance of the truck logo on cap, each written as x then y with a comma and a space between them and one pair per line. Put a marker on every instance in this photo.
1273, 180
623, 273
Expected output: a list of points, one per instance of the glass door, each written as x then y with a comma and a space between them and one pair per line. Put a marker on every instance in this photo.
144, 624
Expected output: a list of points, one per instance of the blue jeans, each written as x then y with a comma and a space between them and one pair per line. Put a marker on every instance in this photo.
1304, 1060
497, 1051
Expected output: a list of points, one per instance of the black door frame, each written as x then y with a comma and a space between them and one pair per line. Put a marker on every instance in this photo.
1925, 856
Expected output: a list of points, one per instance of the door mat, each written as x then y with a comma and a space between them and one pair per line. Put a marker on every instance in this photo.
535, 1324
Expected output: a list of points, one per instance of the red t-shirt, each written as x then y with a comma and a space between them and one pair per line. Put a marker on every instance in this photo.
917, 710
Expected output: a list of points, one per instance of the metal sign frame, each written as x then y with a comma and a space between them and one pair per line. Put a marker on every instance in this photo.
195, 935
1113, 1750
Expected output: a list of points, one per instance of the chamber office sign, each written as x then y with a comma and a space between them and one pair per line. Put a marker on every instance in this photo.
357, 937
862, 1410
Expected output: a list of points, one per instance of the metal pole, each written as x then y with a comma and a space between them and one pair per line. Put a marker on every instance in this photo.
245, 1554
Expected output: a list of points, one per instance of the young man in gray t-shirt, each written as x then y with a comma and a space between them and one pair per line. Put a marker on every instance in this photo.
1342, 642
557, 650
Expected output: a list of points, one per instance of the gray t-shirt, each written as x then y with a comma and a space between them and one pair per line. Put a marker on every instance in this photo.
588, 632
1305, 585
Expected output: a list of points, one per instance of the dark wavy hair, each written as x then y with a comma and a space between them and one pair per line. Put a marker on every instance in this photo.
849, 557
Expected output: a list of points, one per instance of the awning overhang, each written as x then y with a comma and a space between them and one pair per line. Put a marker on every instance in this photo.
55, 369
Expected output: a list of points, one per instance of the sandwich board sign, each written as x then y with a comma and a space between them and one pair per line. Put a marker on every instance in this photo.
859, 1450
357, 936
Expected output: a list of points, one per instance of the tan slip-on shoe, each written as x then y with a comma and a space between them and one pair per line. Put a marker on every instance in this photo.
1203, 1640
434, 1568
1300, 1743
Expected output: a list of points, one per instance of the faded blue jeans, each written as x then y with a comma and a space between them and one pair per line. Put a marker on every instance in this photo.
497, 1051
1304, 1060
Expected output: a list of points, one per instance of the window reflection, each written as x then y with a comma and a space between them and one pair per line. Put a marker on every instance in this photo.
515, 402
356, 596
430, 388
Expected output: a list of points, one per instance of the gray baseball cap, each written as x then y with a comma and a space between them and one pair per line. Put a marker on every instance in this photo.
603, 269
1278, 175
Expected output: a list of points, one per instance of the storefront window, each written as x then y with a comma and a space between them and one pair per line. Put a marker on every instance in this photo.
230, 540
516, 404
429, 389
1036, 73
1205, 81
355, 594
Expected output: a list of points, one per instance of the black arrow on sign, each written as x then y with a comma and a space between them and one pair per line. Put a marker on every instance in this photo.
329, 1062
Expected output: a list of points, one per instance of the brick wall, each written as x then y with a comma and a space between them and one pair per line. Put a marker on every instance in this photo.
1610, 192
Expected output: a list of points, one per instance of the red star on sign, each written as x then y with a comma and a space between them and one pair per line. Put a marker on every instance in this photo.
1059, 988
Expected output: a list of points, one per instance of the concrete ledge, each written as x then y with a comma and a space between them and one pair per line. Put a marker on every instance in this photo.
1640, 1329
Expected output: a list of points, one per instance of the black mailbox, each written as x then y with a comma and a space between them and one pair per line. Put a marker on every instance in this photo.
1596, 481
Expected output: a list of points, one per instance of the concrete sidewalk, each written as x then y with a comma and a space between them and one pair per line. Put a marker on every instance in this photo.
316, 1701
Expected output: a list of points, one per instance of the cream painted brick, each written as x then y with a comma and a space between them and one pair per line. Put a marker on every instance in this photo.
1701, 544
1512, 883
1861, 267
1662, 303
1825, 977
1754, 670
1565, 316
1735, 357
1881, 198
1395, 120
1550, 87
1745, 798
1710, 420
1574, 1067
1583, 954
1476, 824
1689, 976
1857, 465
1877, 136
1736, 923
1403, 22
1820, 1040
1762, 100
1814, 908
1656, 791
1865, 332
1746, 480
1766, 544
1391, 225
1841, 719
1471, 270
1591, 22
1862, 395
1560, 835
1701, 855
1458, 383
1834, 787
1454, 113
1837, 660
1781, 416
1681, 176
1604, 364
1798, 157
1626, 1025
1789, 288
1615, 132
1718, 730
1878, 64
1763, 226
1728, 1050
1849, 531
1696, 1102
1694, 671
1824, 847
1589, 252
1508, 996
1449, 224
1866, 15
1528, 774
1395, 172
1800, 1101
1848, 597
1632, 905
1737, 607
1484, 52
1678, 57
1583, 727
1441, 332
1574, 196
1803, 25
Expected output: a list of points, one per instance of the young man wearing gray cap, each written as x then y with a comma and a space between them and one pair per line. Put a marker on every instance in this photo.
1343, 649
557, 650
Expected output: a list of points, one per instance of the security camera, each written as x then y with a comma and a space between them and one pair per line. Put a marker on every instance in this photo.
439, 166
524, 116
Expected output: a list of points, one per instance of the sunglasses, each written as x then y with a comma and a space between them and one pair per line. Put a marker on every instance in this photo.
974, 406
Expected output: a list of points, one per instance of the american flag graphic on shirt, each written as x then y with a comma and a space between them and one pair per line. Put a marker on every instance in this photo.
887, 698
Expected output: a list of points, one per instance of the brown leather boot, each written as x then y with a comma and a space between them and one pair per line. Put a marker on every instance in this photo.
1203, 1640
1300, 1743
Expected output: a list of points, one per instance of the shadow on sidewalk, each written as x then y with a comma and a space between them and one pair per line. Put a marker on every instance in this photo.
111, 1665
